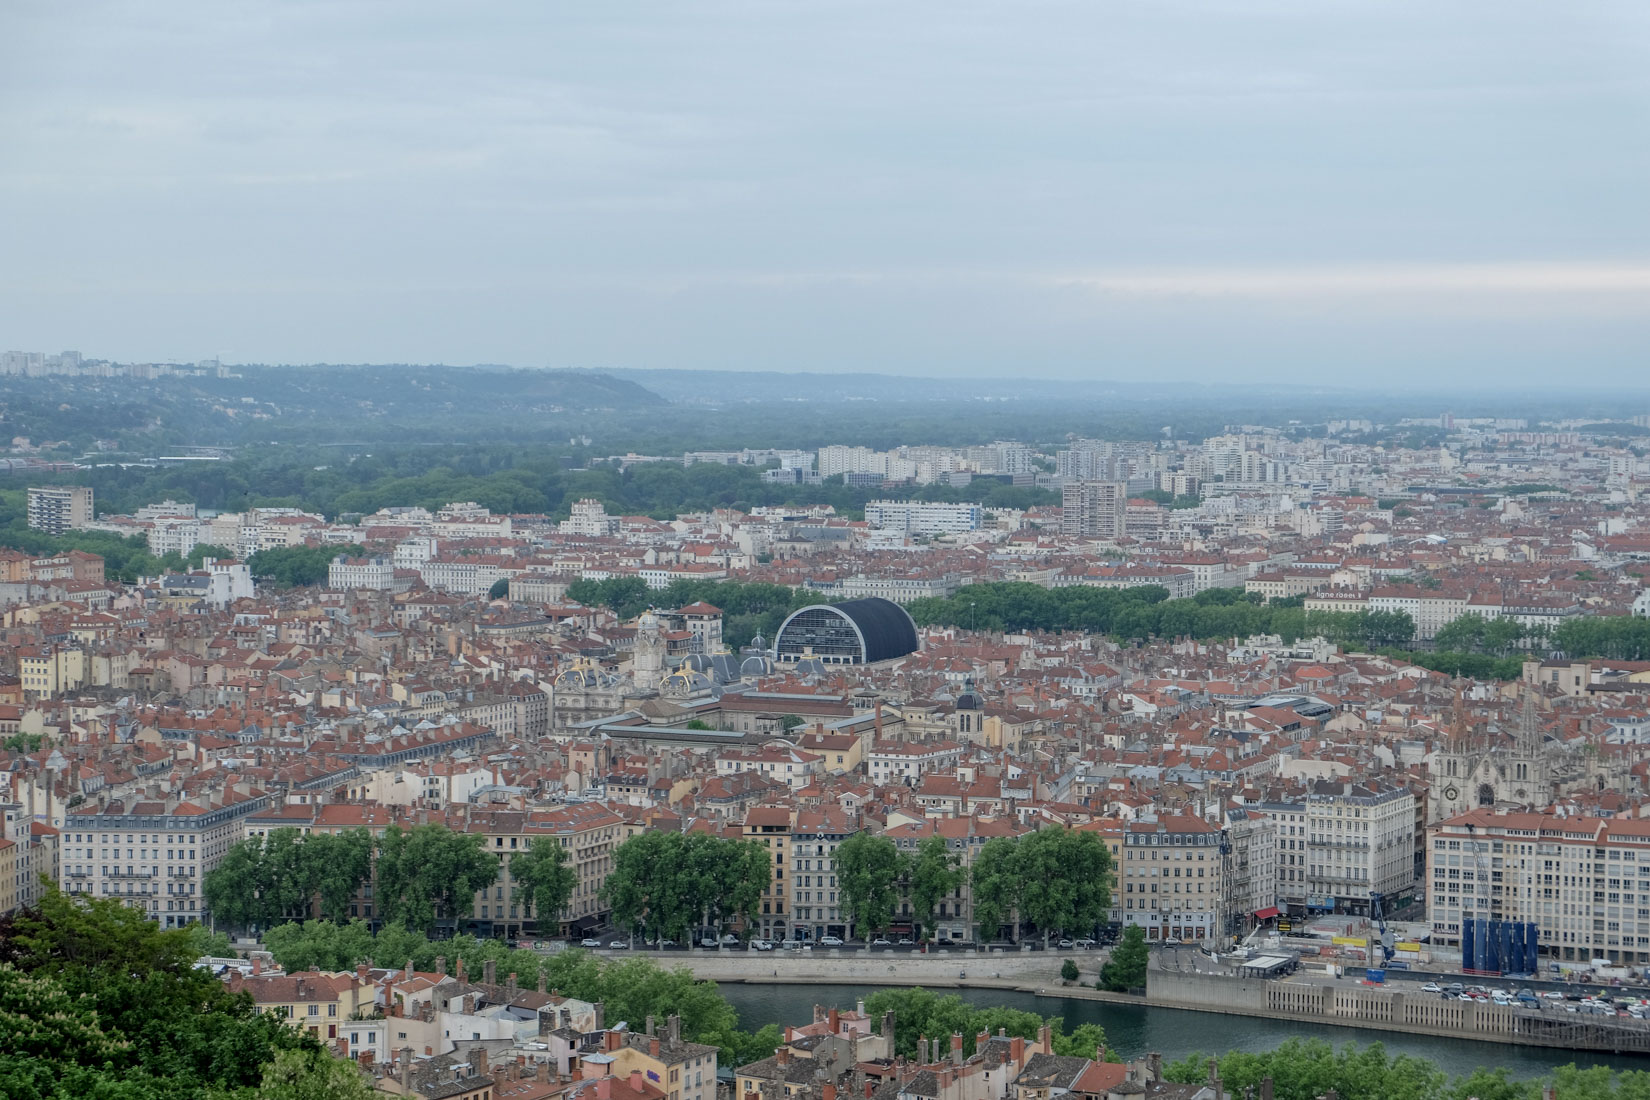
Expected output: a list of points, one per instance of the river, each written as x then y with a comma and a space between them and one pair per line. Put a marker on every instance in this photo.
1133, 1030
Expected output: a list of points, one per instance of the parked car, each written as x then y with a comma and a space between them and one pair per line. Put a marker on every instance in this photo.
1065, 945
729, 939
618, 945
791, 945
590, 942
881, 941
1085, 942
905, 941
1432, 987
830, 941
761, 945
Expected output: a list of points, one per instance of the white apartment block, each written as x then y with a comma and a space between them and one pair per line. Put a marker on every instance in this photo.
376, 574
923, 517
152, 853
907, 761
1345, 840
1584, 881
589, 519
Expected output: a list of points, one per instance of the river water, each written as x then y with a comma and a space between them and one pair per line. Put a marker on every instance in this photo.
1135, 1030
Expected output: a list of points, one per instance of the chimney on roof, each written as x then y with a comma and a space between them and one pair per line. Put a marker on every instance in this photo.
782, 1055
1154, 1062
544, 984
601, 1013
441, 965
833, 1020
361, 973
674, 1029
236, 979
510, 983
478, 1060
828, 1092
406, 1070
1265, 1088
257, 965
653, 1047
1045, 1039
956, 1048
636, 1080
489, 972
649, 1025
604, 1088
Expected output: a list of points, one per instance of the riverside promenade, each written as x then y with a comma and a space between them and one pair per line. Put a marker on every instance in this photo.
1303, 998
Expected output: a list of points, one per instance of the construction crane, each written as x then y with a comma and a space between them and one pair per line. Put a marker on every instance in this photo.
1382, 938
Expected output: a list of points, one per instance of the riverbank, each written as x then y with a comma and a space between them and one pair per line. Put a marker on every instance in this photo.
1338, 1005
1135, 1028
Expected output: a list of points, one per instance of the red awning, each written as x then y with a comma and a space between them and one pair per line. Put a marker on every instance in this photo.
1266, 914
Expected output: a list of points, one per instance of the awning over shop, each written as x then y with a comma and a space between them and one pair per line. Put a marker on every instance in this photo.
1266, 914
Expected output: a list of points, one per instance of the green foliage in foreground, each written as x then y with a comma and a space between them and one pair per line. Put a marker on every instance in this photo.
96, 1001
1305, 1069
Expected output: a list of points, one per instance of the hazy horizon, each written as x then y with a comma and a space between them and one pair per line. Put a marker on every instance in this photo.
1367, 195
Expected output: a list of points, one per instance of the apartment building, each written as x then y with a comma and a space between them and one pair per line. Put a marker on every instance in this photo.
59, 508
1585, 881
1343, 842
815, 908
152, 852
1251, 867
964, 837
770, 826
1171, 877
376, 574
1094, 508
916, 517
663, 1059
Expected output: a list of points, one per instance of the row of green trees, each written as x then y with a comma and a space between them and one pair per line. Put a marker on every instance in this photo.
668, 884
422, 876
1146, 612
96, 1001
1054, 879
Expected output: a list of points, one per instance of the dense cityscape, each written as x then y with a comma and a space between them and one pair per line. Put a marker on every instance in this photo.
1081, 550
1342, 715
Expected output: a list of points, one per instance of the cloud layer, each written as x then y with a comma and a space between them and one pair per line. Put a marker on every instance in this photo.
1196, 188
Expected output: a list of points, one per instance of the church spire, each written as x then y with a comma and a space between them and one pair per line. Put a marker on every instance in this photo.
1530, 736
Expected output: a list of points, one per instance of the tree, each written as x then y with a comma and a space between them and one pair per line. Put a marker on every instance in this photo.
667, 883
1084, 1041
549, 881
116, 1008
319, 944
500, 589
427, 873
997, 888
789, 722
1068, 971
868, 869
208, 944
306, 1075
1066, 880
1126, 969
933, 875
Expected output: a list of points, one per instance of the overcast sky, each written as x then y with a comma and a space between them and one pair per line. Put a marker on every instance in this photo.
1336, 190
